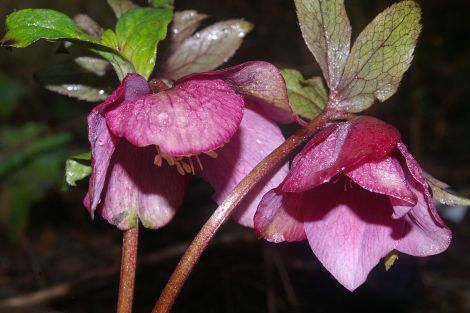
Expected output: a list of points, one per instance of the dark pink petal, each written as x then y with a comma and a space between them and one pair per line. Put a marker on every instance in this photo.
138, 189
386, 177
260, 82
416, 173
256, 138
349, 229
102, 141
279, 217
351, 144
192, 117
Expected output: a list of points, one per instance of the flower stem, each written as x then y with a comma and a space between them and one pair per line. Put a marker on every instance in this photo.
128, 266
223, 212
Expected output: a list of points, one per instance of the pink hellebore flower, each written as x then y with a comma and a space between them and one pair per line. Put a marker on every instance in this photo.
143, 143
356, 194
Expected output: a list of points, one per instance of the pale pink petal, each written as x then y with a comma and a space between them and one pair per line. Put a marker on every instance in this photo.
260, 82
102, 141
279, 217
192, 117
137, 189
256, 138
386, 177
349, 229
350, 145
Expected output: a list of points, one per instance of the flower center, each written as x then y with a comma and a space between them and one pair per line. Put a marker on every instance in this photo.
184, 164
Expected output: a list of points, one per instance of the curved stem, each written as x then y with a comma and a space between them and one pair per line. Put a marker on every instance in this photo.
128, 267
221, 214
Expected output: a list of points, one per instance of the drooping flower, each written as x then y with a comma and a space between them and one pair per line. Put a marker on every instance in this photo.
356, 194
213, 124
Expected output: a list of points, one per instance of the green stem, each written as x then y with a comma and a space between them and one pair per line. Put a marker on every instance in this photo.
223, 212
128, 268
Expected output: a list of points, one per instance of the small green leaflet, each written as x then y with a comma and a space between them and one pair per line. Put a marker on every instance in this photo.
162, 3
307, 97
77, 168
138, 32
378, 59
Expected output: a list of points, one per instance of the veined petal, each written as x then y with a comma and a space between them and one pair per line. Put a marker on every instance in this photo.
256, 138
349, 145
386, 177
261, 82
101, 140
349, 229
192, 117
138, 189
279, 216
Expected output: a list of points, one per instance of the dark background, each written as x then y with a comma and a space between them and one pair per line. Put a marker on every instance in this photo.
50, 246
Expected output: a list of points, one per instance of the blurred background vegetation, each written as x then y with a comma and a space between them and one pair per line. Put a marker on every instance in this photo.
48, 241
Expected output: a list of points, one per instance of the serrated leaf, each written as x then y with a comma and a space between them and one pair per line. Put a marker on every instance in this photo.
121, 6
184, 24
443, 196
138, 32
77, 168
207, 49
83, 78
307, 97
380, 56
326, 29
88, 25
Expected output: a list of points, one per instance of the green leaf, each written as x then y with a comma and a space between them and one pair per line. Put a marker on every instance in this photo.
84, 78
77, 168
25, 27
121, 6
443, 196
162, 3
307, 97
207, 49
326, 29
380, 56
138, 32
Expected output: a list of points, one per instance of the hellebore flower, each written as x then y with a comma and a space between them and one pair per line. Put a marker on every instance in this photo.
356, 194
144, 140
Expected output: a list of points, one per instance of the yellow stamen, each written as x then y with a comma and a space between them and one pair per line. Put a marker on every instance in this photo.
212, 154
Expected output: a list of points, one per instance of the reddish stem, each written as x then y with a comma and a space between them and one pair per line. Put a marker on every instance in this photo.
128, 267
223, 212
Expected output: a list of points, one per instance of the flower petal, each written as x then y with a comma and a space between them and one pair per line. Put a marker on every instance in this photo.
192, 117
136, 188
351, 144
279, 217
261, 82
348, 230
386, 177
102, 141
256, 138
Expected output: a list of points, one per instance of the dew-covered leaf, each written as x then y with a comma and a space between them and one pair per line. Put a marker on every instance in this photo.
138, 32
88, 25
207, 49
326, 29
379, 57
77, 168
443, 196
184, 24
121, 6
307, 97
84, 78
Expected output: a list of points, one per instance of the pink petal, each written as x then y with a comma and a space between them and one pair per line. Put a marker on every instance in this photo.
256, 138
348, 230
425, 232
351, 144
137, 189
386, 177
261, 82
192, 117
279, 217
102, 141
